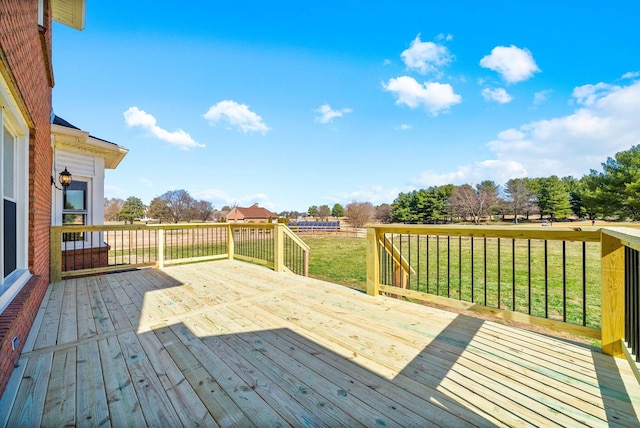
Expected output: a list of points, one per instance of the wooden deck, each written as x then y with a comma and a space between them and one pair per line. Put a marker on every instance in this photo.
233, 344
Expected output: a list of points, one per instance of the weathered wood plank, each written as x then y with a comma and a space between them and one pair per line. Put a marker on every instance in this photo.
124, 406
244, 394
60, 403
186, 402
85, 325
28, 405
156, 406
48, 334
214, 397
67, 332
91, 407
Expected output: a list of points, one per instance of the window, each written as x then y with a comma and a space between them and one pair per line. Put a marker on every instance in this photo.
14, 169
75, 208
9, 211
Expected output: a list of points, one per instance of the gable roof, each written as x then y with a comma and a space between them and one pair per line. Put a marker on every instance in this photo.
254, 211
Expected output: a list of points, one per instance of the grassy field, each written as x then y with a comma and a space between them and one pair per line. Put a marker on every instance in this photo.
339, 260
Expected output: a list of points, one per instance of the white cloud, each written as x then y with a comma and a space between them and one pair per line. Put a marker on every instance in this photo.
513, 64
404, 127
327, 114
136, 117
376, 195
604, 124
631, 75
499, 95
426, 57
541, 96
435, 97
589, 94
238, 116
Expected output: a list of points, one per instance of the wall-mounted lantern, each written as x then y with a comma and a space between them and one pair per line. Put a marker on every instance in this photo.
64, 178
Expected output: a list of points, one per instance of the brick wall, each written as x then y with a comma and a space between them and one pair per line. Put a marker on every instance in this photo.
25, 50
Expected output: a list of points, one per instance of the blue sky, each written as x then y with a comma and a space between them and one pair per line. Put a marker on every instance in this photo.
290, 104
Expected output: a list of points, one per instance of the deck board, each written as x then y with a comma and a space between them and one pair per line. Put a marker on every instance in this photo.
228, 343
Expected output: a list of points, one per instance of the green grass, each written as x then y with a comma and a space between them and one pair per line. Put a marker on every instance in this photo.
339, 260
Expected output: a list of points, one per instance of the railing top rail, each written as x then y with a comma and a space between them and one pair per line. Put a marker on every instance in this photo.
554, 233
295, 238
629, 237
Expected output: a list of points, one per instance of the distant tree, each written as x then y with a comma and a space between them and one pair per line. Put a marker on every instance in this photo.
474, 202
422, 206
159, 209
337, 210
132, 209
324, 212
111, 208
618, 186
359, 213
179, 204
519, 197
384, 214
553, 198
313, 210
202, 210
226, 208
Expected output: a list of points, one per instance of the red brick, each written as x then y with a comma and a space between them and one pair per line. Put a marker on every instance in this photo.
27, 52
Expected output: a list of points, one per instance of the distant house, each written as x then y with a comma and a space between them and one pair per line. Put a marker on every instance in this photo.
253, 214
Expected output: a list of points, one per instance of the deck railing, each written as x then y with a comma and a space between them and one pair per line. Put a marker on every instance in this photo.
570, 279
82, 250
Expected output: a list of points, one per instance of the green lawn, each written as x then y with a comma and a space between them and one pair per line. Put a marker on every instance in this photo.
339, 260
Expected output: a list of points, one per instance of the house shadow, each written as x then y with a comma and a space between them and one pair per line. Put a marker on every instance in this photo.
279, 376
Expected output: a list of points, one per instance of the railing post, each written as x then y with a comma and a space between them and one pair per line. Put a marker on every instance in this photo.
305, 263
373, 262
612, 325
55, 251
278, 247
230, 242
161, 248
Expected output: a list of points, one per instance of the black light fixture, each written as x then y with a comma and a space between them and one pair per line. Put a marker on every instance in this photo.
64, 178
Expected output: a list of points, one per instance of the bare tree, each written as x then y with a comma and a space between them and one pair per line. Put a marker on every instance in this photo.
384, 214
179, 204
111, 208
359, 213
324, 212
202, 210
519, 196
474, 203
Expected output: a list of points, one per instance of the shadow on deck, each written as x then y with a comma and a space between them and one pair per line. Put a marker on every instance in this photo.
232, 344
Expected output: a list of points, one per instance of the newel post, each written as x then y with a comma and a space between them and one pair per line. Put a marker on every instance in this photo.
612, 325
278, 247
373, 262
230, 242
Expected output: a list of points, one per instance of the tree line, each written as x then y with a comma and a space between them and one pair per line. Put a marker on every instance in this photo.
610, 193
173, 206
